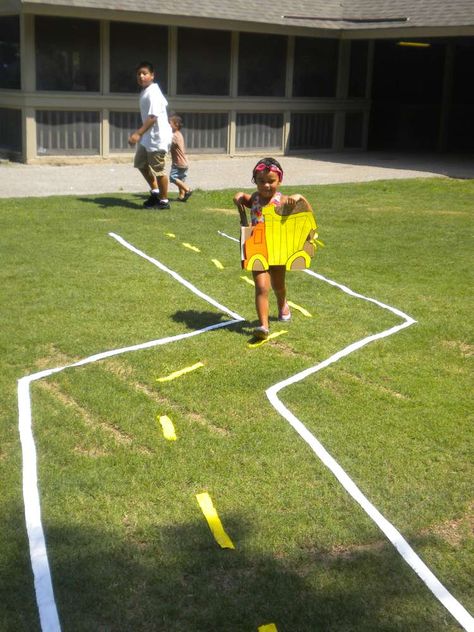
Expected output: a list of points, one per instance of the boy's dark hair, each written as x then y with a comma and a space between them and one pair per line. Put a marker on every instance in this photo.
177, 120
145, 64
267, 163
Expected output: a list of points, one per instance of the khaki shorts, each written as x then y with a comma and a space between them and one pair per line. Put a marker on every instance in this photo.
154, 159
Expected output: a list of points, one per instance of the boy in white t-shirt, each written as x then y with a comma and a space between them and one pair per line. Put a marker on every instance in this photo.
153, 138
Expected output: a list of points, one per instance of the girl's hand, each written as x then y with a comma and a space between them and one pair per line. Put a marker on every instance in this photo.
292, 200
239, 198
296, 198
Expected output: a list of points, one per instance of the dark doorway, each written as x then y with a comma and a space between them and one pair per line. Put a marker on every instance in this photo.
422, 95
460, 117
407, 90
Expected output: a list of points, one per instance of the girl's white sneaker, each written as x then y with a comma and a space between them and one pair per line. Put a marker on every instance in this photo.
287, 316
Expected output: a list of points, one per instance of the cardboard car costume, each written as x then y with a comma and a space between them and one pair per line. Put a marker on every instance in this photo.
286, 237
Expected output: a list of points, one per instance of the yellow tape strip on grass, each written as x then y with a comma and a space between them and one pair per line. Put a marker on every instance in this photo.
300, 309
167, 427
248, 280
173, 376
190, 246
259, 343
217, 263
213, 521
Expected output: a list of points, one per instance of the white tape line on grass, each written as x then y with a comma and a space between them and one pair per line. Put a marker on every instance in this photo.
228, 236
39, 558
47, 609
176, 276
408, 319
411, 558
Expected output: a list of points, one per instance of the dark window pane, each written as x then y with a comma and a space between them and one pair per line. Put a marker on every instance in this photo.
262, 65
10, 129
129, 45
10, 52
311, 130
315, 71
61, 132
203, 61
67, 54
259, 131
354, 130
205, 132
358, 68
121, 125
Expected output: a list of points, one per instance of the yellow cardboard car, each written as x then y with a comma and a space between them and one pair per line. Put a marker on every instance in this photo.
286, 238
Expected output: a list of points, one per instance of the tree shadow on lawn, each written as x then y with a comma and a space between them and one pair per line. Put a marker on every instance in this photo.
18, 612
115, 202
177, 579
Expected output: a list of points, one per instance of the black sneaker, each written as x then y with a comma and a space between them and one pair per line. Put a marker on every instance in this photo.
152, 201
187, 195
162, 205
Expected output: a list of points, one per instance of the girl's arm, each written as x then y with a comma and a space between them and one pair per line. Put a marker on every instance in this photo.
242, 200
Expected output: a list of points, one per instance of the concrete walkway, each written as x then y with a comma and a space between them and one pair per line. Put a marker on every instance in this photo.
223, 172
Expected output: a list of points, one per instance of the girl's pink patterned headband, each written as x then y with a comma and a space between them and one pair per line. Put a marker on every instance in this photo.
263, 167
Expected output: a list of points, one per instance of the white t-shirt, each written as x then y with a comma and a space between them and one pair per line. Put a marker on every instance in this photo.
153, 103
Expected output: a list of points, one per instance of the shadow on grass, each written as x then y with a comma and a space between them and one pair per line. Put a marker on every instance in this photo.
176, 579
454, 165
115, 202
18, 612
198, 320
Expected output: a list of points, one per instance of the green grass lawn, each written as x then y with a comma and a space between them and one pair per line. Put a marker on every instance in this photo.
128, 546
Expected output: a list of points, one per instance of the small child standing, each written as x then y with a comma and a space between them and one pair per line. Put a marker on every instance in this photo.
179, 163
268, 175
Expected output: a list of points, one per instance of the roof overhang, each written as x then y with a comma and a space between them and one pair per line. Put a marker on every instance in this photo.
394, 24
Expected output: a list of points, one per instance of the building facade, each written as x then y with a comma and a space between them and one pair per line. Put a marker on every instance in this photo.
303, 76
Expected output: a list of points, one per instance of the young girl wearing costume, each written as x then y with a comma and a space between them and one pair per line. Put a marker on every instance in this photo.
267, 175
